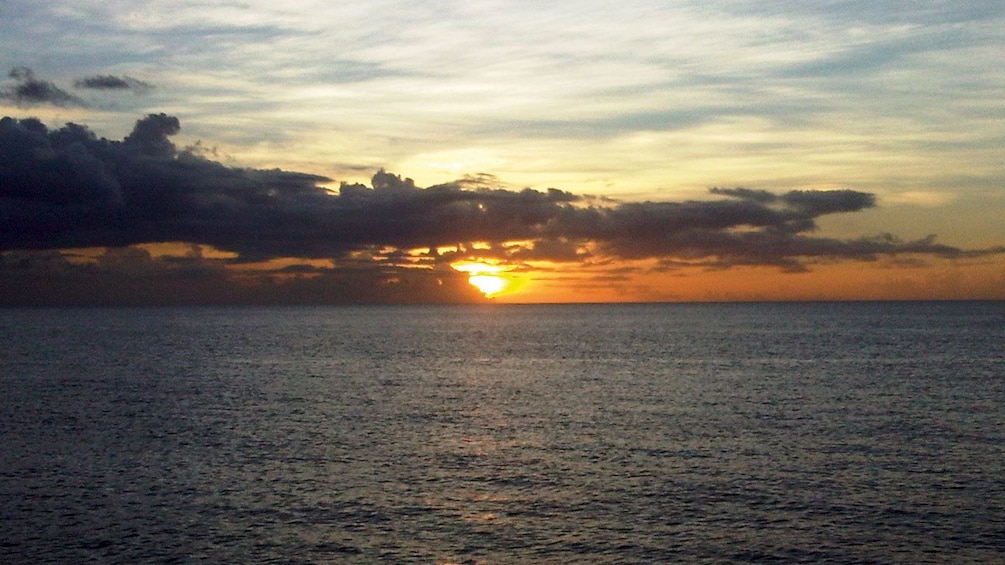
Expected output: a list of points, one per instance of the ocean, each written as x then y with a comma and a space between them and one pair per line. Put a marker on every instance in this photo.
670, 433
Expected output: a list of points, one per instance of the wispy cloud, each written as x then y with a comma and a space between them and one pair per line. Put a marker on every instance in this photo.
111, 82
30, 91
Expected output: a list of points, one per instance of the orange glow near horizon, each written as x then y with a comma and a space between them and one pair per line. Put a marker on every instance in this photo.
885, 279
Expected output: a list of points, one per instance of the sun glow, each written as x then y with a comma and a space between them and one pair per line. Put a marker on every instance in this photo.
489, 285
484, 276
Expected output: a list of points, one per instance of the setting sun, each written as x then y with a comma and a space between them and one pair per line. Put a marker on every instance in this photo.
484, 277
489, 285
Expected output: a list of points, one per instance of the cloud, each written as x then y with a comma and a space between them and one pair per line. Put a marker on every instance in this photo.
30, 91
66, 188
132, 276
110, 82
868, 11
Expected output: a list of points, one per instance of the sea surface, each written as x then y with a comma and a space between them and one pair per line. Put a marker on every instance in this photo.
714, 433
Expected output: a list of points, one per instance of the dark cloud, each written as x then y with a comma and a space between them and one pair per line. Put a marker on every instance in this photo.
132, 277
110, 82
66, 188
30, 91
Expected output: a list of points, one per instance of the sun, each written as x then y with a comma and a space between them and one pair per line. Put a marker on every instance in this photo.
489, 285
483, 276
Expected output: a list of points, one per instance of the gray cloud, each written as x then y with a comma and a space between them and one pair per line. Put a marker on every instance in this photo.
111, 82
66, 188
30, 91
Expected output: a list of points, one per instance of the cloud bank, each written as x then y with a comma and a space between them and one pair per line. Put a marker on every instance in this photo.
67, 188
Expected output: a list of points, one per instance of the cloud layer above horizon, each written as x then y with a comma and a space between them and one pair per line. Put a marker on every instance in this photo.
66, 188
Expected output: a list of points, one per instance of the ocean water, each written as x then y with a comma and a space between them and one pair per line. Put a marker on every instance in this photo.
719, 433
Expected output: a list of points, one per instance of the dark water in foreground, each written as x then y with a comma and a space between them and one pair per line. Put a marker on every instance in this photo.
756, 433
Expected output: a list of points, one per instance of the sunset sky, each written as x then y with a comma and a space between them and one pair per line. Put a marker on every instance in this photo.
385, 151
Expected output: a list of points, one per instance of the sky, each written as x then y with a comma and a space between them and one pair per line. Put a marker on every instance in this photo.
392, 151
